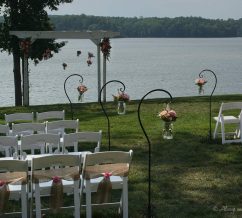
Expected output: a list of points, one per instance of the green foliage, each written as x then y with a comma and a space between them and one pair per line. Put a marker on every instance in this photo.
28, 15
189, 176
152, 26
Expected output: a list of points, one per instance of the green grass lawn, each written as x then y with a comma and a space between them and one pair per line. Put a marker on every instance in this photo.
191, 176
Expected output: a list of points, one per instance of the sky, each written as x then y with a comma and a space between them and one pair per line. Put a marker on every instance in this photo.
213, 9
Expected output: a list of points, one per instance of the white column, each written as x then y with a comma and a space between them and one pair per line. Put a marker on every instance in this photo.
104, 78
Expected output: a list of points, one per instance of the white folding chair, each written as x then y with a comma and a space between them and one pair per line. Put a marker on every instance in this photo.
8, 145
95, 165
50, 115
43, 143
71, 140
18, 118
4, 129
222, 119
60, 171
61, 126
14, 177
27, 128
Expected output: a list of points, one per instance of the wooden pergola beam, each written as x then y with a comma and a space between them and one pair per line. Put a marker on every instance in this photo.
94, 36
64, 34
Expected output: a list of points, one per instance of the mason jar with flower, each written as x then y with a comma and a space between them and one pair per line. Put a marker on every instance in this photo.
81, 89
121, 98
168, 116
200, 82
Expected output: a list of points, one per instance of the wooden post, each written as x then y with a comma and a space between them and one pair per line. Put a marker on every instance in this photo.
25, 81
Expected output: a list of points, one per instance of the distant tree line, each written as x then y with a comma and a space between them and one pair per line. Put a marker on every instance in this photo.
151, 27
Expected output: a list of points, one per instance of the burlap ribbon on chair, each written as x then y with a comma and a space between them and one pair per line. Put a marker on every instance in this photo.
56, 175
106, 170
13, 178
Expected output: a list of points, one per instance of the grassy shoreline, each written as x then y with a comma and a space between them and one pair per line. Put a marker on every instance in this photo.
190, 177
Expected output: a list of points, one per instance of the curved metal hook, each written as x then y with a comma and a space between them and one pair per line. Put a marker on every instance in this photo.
142, 127
81, 81
210, 99
104, 111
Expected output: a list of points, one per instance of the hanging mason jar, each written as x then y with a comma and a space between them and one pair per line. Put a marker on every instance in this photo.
168, 130
121, 107
81, 97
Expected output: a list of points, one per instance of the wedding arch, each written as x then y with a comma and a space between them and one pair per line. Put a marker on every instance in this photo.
94, 36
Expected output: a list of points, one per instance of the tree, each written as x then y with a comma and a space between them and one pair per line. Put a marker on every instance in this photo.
26, 15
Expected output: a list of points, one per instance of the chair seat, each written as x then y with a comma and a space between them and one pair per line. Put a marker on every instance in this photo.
229, 119
15, 191
46, 186
116, 181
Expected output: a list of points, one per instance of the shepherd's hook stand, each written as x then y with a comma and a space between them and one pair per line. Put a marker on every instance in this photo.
150, 212
210, 100
81, 81
104, 111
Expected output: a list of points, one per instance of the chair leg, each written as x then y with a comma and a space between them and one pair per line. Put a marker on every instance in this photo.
215, 130
125, 198
76, 199
37, 201
88, 200
24, 200
223, 133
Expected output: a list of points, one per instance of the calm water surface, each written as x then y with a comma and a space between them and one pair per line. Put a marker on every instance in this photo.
141, 64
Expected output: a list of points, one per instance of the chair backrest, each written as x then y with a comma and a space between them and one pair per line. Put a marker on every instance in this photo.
72, 139
15, 172
63, 168
60, 126
19, 117
116, 162
4, 129
8, 144
231, 105
27, 128
42, 142
50, 115
55, 160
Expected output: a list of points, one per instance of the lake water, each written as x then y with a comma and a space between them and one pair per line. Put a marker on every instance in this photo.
141, 64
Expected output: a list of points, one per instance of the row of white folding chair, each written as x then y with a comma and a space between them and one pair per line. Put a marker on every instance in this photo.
49, 142
18, 188
94, 166
11, 119
223, 119
56, 127
29, 117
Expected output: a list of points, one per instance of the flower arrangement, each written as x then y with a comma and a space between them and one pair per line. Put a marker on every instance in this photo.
200, 83
25, 47
64, 65
81, 89
89, 58
168, 115
105, 47
122, 96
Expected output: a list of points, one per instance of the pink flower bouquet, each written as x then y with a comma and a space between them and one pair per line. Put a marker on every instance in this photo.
81, 89
122, 96
200, 83
168, 115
